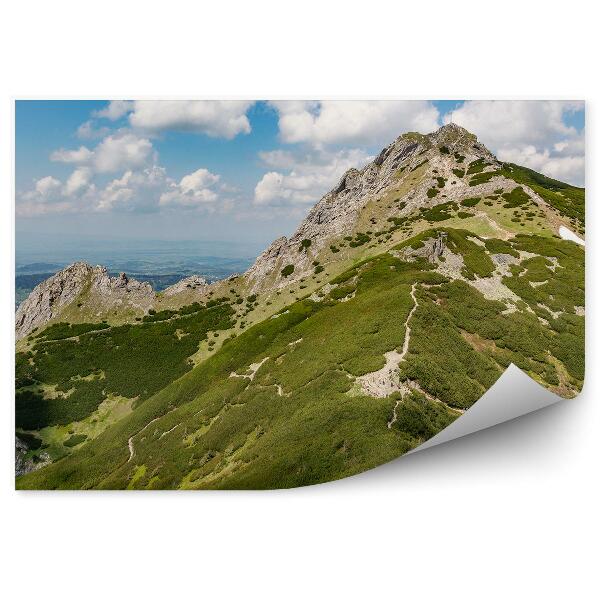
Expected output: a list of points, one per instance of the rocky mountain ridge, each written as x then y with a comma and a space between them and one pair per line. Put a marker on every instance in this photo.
52, 296
415, 173
338, 212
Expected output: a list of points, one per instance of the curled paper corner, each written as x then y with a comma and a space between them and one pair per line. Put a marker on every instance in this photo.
513, 395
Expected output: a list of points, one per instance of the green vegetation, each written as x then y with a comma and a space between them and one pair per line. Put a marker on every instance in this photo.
567, 199
33, 442
516, 197
441, 212
181, 399
61, 331
359, 240
477, 166
214, 430
133, 361
75, 440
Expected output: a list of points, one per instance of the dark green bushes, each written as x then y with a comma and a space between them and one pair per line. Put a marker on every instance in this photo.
60, 331
135, 360
75, 440
516, 197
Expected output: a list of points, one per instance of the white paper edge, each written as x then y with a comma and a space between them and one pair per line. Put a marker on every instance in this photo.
514, 394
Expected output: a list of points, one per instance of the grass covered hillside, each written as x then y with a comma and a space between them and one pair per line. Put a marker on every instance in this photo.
401, 298
299, 398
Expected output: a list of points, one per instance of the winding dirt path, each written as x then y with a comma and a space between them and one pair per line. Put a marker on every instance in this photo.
385, 382
130, 440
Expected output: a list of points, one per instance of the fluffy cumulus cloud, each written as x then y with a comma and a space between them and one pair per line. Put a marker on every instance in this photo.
301, 180
46, 185
115, 110
215, 118
144, 190
114, 153
353, 121
195, 189
532, 133
89, 131
81, 155
134, 191
78, 180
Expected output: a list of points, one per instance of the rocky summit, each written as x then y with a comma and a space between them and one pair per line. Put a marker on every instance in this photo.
85, 284
403, 295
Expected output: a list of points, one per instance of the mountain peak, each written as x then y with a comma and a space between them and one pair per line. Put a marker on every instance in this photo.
49, 299
402, 174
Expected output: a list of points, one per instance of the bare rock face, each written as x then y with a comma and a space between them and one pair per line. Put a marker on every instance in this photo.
338, 212
439, 244
51, 297
47, 299
24, 464
193, 282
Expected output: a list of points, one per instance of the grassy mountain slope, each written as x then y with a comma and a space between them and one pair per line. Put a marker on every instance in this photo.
284, 403
400, 299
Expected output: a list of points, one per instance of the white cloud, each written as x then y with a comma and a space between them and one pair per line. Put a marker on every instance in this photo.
79, 179
88, 131
134, 191
46, 185
563, 168
530, 133
81, 155
115, 110
216, 118
117, 152
143, 190
195, 189
353, 121
302, 181
122, 150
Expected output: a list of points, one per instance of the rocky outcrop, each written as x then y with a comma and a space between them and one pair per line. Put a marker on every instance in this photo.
47, 299
439, 244
337, 214
26, 464
53, 296
193, 282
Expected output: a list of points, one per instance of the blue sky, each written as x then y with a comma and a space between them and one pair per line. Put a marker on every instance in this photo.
240, 171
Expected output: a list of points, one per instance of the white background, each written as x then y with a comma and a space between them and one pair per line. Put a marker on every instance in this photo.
508, 513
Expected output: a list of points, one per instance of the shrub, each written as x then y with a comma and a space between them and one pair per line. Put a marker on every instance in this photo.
75, 440
287, 270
